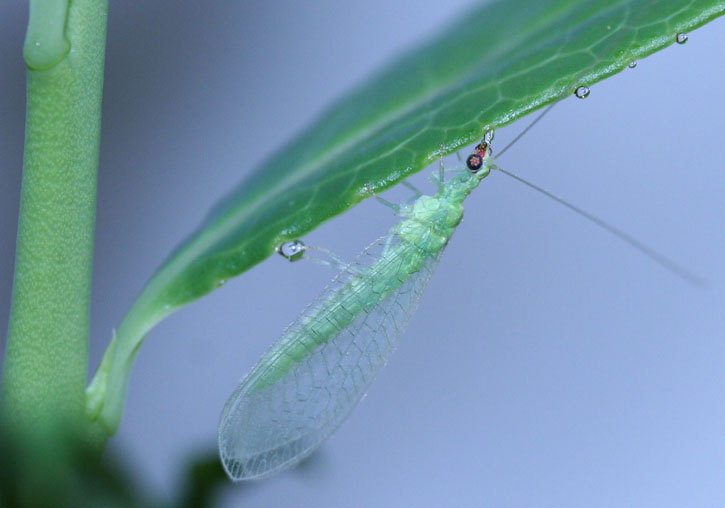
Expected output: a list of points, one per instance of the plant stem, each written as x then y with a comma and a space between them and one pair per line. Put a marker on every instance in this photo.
47, 348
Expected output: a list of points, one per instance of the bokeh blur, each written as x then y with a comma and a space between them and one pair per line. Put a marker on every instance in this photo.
549, 364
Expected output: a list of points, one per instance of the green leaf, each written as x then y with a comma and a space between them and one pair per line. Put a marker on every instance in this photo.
492, 66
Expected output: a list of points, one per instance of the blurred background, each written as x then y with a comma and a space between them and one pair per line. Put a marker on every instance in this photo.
549, 364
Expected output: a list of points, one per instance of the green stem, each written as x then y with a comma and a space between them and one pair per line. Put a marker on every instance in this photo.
47, 348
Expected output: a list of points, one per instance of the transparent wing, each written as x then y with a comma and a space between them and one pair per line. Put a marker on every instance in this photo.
263, 430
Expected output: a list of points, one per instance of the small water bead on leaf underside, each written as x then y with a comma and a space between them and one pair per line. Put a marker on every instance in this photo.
632, 64
292, 250
582, 92
681, 38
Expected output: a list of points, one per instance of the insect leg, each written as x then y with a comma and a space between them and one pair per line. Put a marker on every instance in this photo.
439, 178
441, 169
296, 249
396, 208
416, 193
334, 260
386, 247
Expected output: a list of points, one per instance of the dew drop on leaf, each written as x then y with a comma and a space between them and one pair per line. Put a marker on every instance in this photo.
292, 250
582, 92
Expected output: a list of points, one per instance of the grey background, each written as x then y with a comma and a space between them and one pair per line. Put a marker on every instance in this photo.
548, 365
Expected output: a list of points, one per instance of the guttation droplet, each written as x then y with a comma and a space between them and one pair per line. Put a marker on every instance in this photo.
488, 137
632, 64
681, 38
292, 250
582, 92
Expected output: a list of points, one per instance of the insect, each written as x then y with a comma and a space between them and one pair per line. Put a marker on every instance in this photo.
305, 386
307, 383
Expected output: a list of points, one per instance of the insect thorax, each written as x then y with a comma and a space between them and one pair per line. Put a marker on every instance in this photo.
431, 222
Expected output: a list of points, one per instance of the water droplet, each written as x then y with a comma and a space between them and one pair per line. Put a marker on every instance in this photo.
632, 64
292, 250
681, 38
582, 92
488, 137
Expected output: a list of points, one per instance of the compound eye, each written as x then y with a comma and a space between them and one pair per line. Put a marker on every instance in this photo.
474, 162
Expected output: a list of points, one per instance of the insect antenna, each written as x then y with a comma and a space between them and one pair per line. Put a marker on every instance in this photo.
648, 251
568, 88
582, 92
531, 125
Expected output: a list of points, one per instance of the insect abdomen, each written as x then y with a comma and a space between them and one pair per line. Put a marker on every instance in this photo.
325, 319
